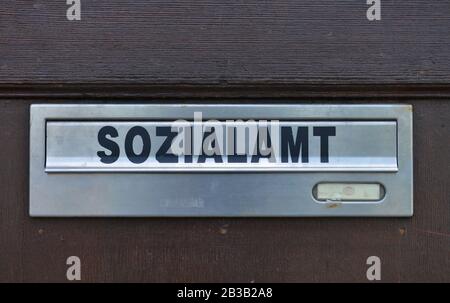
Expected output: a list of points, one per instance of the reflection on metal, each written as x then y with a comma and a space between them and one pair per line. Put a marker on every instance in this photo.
290, 160
356, 146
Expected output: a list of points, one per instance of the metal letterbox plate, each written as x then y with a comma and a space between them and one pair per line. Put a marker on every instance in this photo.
220, 160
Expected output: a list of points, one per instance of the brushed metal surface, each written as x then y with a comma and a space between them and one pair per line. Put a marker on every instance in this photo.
212, 193
356, 146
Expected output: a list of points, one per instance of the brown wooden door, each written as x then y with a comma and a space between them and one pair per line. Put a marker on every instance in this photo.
312, 51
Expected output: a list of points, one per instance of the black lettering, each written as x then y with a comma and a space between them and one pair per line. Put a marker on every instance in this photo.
188, 156
112, 146
324, 132
162, 154
235, 158
288, 145
146, 144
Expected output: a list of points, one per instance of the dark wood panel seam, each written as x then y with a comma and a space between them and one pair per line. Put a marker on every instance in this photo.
146, 91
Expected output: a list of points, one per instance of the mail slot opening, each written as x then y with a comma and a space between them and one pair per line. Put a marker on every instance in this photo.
348, 192
254, 145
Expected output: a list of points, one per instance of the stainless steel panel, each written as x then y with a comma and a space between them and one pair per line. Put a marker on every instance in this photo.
356, 146
150, 190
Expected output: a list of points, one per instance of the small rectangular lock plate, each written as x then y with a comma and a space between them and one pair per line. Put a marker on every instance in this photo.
235, 160
349, 192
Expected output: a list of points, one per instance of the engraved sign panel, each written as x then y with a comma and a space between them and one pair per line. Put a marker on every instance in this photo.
220, 160
294, 146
